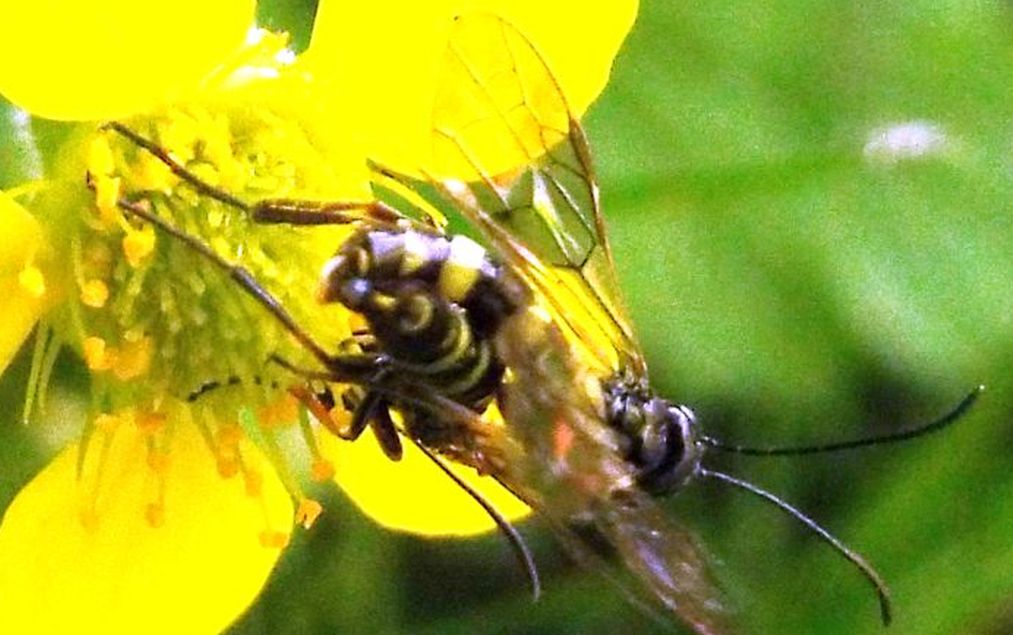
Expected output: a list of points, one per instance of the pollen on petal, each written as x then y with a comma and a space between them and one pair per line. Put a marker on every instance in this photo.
229, 434
88, 517
150, 422
227, 450
158, 461
322, 470
273, 539
254, 483
32, 281
94, 293
308, 512
154, 514
114, 563
138, 245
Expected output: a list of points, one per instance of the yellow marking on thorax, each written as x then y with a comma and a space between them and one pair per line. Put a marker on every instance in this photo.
416, 253
462, 269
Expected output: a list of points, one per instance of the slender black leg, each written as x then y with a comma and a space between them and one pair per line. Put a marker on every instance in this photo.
305, 212
274, 211
239, 274
386, 432
177, 168
364, 406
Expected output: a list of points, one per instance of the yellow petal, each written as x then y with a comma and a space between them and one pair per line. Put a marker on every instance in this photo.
413, 495
383, 60
19, 307
191, 565
112, 58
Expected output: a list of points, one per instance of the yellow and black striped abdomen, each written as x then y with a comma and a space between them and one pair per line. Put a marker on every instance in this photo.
432, 303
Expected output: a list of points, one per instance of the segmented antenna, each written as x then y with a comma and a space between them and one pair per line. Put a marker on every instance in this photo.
933, 426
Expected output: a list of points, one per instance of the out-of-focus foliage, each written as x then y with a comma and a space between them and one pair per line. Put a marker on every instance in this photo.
810, 208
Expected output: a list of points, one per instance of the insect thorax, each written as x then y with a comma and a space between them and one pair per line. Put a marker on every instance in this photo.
660, 437
432, 302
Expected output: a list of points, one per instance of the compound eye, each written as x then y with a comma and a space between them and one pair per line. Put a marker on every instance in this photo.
685, 417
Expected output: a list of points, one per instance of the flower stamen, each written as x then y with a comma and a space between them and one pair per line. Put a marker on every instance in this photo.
32, 281
133, 359
94, 293
273, 539
138, 245
308, 512
97, 356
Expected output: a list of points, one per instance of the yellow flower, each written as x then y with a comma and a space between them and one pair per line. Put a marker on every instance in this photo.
180, 491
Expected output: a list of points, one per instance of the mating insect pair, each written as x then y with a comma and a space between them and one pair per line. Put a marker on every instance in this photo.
535, 325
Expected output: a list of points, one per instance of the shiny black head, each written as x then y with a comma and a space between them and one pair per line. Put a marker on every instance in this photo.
661, 438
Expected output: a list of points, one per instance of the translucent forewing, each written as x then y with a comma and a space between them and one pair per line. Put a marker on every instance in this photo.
570, 469
508, 151
515, 161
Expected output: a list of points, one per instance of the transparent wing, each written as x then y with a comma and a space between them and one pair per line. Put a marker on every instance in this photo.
567, 464
510, 154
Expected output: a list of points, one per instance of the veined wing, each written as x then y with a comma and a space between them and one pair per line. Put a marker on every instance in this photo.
510, 154
568, 465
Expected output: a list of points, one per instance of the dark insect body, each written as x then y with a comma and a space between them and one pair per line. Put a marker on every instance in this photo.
535, 324
433, 303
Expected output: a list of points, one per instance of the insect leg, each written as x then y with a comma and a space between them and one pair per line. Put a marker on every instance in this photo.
386, 432
370, 408
271, 211
214, 384
239, 274
305, 212
315, 405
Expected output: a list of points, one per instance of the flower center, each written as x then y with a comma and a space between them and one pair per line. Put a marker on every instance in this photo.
148, 305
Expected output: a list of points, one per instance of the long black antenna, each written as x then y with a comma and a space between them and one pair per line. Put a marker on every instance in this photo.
864, 567
950, 417
513, 537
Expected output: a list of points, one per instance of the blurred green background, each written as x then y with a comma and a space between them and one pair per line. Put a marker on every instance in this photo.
809, 203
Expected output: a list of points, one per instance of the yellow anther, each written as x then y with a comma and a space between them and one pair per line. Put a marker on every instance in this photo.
227, 465
138, 245
179, 137
97, 259
308, 512
151, 175
154, 513
99, 161
229, 435
107, 196
322, 470
150, 422
280, 412
32, 281
254, 482
217, 145
94, 293
107, 423
273, 539
133, 359
88, 517
97, 356
158, 461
